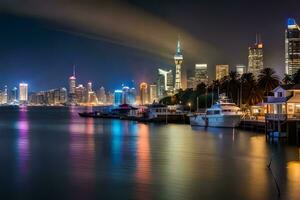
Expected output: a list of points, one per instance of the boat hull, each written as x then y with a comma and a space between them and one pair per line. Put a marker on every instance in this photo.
222, 121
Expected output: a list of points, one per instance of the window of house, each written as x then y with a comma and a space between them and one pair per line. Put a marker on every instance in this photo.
279, 94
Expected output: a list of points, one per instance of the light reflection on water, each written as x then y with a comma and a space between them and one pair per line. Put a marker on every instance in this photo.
70, 157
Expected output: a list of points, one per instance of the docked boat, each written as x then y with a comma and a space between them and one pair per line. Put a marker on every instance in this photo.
222, 114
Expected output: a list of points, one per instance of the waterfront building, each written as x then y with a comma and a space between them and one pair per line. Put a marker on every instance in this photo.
63, 95
125, 95
221, 71
292, 47
132, 96
164, 82
178, 58
109, 98
80, 93
201, 75
152, 93
13, 96
4, 95
240, 70
255, 57
118, 97
23, 92
144, 98
72, 87
101, 95
191, 82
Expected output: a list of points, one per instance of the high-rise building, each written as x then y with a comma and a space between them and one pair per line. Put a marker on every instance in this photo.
23, 92
125, 95
201, 73
164, 82
152, 93
191, 83
101, 95
118, 97
292, 47
240, 70
144, 93
221, 71
13, 95
178, 58
4, 96
132, 96
80, 93
72, 82
256, 57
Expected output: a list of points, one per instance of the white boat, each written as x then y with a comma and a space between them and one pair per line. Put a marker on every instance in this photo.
222, 114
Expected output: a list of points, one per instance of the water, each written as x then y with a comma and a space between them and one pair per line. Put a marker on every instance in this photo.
51, 153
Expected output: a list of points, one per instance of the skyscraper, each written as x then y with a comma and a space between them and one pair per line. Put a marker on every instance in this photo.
101, 95
5, 96
191, 83
178, 58
152, 93
79, 93
144, 93
23, 92
118, 97
164, 82
241, 69
256, 57
201, 73
72, 82
292, 47
221, 71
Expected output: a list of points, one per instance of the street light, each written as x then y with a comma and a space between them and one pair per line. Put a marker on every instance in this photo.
189, 104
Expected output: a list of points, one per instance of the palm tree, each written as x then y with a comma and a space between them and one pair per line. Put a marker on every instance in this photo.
252, 94
233, 86
268, 80
287, 79
296, 77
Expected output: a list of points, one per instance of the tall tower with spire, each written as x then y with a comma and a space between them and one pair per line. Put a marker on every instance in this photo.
178, 58
256, 57
72, 82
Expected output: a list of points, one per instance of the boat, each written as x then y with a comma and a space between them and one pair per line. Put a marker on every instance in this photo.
222, 114
166, 114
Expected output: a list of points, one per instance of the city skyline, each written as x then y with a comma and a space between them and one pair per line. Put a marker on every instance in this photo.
66, 45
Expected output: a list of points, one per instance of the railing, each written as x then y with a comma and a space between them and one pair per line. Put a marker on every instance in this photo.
282, 117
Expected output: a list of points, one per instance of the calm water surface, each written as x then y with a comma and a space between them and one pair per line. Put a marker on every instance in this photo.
51, 153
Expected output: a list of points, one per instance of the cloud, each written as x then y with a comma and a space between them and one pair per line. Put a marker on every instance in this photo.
115, 22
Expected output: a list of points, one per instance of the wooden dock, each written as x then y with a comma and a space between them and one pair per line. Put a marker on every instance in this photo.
253, 125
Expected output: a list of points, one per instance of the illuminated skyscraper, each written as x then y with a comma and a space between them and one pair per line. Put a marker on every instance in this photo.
292, 47
240, 70
178, 58
101, 95
13, 95
5, 96
201, 73
23, 92
125, 95
256, 58
221, 71
79, 93
164, 82
72, 82
144, 93
191, 82
118, 97
152, 93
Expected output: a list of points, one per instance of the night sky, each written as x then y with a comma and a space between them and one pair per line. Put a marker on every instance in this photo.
117, 42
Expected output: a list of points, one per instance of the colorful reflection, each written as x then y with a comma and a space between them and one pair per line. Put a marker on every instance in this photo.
293, 183
116, 131
82, 157
23, 141
143, 162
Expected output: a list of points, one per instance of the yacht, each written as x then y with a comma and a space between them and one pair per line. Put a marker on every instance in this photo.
222, 114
